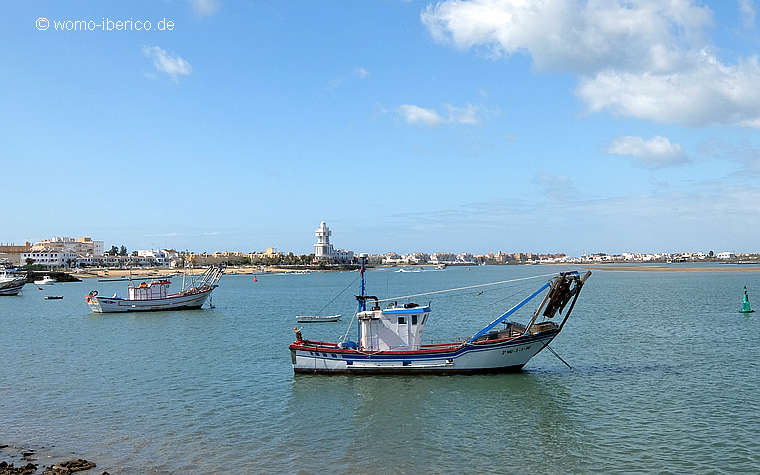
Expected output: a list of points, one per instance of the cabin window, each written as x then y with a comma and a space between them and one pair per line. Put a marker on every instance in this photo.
401, 321
414, 319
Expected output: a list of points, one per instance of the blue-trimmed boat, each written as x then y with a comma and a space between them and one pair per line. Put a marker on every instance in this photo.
390, 339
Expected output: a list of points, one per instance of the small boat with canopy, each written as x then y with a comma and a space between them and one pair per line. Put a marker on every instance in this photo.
390, 338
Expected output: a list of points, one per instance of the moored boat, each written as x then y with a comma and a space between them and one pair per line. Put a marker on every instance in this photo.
11, 284
47, 280
390, 339
154, 296
317, 318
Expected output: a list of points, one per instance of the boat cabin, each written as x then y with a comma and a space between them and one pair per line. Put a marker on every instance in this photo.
151, 291
396, 328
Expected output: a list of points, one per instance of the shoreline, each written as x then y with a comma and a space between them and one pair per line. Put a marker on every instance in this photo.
665, 268
23, 460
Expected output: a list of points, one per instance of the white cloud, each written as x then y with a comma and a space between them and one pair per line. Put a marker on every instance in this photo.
419, 115
747, 11
205, 7
174, 66
646, 59
455, 115
657, 152
463, 115
572, 35
361, 72
707, 93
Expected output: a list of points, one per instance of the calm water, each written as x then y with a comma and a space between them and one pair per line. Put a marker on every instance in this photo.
666, 378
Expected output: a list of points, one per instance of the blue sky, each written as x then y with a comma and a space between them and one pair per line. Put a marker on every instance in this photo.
554, 126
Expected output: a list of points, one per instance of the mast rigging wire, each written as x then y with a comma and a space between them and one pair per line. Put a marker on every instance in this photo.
466, 287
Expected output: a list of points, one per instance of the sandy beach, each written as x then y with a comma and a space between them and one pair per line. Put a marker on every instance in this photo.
160, 271
665, 268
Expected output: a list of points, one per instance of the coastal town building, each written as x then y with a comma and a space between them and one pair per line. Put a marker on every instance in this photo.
158, 257
324, 250
84, 246
49, 258
391, 258
10, 254
442, 258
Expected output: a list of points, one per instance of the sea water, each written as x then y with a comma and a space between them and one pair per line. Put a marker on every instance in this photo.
665, 378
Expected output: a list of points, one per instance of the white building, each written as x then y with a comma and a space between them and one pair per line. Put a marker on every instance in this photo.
325, 252
416, 258
84, 246
442, 257
50, 258
726, 255
156, 256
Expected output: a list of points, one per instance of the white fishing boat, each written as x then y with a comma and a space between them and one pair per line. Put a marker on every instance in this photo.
47, 280
390, 339
154, 296
317, 318
11, 284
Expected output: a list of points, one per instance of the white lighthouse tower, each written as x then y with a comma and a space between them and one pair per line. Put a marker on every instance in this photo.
323, 250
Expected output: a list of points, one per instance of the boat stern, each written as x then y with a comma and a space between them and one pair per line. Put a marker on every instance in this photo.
93, 302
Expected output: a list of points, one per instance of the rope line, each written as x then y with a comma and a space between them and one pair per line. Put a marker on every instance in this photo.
339, 294
466, 288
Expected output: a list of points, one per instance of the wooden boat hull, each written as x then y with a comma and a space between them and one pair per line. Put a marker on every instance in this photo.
12, 287
195, 300
486, 357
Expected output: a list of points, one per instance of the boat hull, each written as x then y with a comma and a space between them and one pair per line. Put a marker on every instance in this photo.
180, 302
313, 319
12, 287
488, 357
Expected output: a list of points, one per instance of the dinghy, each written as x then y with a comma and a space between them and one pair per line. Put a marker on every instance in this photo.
317, 318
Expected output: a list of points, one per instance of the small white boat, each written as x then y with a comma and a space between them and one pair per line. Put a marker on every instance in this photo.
47, 280
11, 284
155, 295
317, 318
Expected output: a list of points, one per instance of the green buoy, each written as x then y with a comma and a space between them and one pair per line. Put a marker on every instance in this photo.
745, 305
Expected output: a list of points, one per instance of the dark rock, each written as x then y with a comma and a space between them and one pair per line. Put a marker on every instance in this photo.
69, 466
9, 469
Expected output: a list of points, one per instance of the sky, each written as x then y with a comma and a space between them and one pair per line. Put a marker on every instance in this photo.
569, 126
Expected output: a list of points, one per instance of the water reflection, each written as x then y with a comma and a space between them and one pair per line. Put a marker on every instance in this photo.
444, 421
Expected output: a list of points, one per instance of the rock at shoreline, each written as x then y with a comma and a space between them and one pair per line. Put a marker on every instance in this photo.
8, 469
69, 466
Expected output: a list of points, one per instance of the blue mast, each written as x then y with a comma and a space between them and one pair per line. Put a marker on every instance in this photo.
362, 303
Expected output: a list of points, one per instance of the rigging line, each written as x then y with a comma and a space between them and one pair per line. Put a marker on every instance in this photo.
339, 294
349, 328
495, 302
465, 288
558, 356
